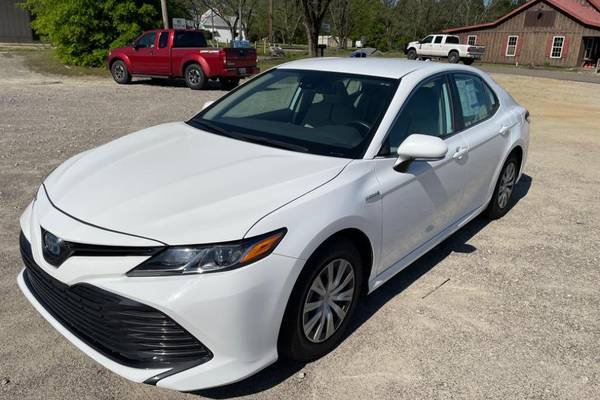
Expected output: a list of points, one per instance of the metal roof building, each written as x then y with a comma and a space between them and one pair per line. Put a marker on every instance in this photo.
563, 33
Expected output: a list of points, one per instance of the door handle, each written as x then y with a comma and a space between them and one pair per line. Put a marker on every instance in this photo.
505, 129
460, 152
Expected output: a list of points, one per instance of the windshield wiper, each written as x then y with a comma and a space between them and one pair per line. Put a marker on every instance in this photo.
272, 142
248, 137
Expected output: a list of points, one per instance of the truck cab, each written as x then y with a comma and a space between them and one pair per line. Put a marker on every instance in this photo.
174, 53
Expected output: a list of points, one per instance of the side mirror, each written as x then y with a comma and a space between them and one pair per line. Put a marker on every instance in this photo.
207, 104
418, 147
135, 46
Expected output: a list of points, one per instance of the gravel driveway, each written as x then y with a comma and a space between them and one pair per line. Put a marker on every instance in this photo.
517, 317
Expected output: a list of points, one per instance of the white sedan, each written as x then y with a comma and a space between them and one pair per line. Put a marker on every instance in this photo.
191, 255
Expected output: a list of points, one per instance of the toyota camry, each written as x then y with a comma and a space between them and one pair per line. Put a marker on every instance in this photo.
193, 254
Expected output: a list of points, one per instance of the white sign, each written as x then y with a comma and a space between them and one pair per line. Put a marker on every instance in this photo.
179, 23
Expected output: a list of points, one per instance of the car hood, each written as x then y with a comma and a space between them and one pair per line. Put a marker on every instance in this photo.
181, 185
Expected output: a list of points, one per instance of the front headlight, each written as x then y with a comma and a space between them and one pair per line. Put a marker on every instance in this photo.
179, 260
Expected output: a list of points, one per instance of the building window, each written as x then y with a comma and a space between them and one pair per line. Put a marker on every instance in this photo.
472, 40
557, 46
511, 46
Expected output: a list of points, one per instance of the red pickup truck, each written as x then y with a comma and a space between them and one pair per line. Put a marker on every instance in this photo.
177, 53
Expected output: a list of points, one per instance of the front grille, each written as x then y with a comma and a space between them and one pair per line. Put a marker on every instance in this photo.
128, 332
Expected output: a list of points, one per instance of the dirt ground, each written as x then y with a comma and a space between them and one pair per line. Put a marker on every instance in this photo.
518, 318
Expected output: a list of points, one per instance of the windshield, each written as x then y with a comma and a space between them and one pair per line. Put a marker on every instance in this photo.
317, 112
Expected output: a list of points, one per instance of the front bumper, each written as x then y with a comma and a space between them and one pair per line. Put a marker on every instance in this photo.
236, 314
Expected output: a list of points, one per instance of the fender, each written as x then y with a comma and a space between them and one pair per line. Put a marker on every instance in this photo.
120, 56
198, 60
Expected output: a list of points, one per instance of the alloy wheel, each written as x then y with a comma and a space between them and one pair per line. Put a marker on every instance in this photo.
119, 71
507, 183
328, 300
194, 76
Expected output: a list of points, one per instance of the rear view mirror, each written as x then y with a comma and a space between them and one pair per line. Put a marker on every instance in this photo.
418, 147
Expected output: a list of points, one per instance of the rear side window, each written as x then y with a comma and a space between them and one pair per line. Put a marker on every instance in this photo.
452, 40
477, 100
146, 41
189, 39
163, 39
438, 39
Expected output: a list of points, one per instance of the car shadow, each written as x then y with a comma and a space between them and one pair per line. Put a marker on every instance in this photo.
283, 369
167, 82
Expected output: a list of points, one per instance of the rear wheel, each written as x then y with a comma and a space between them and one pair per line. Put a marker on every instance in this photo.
119, 72
194, 77
453, 57
322, 303
468, 61
500, 202
229, 83
412, 54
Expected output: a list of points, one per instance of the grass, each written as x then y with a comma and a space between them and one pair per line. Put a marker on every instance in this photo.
44, 61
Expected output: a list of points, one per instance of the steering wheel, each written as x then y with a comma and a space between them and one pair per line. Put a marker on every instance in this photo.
361, 126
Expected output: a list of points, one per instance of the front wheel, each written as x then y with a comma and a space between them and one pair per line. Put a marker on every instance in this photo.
194, 77
503, 191
412, 54
323, 302
453, 57
119, 72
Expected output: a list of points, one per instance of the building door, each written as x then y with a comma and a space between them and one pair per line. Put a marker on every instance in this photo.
591, 51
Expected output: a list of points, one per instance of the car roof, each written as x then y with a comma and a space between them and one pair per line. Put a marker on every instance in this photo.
394, 68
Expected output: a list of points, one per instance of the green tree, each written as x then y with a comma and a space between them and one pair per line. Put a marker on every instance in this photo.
84, 31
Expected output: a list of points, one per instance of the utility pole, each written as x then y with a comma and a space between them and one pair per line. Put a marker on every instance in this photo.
270, 22
165, 15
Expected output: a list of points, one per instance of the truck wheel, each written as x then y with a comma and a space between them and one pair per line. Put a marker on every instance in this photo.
412, 54
119, 72
453, 57
468, 61
229, 83
194, 77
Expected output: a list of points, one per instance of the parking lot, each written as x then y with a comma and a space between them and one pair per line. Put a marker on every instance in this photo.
517, 314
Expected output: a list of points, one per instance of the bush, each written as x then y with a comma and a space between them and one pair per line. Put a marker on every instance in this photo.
84, 31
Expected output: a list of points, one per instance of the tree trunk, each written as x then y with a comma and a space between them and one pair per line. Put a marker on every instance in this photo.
313, 41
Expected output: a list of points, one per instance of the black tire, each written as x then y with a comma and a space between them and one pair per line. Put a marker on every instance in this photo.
294, 344
500, 202
229, 83
453, 57
119, 72
468, 61
412, 54
194, 77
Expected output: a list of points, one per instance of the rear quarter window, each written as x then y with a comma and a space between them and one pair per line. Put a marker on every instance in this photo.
189, 39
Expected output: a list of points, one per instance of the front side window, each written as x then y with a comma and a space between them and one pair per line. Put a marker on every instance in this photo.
472, 40
428, 111
476, 99
318, 112
189, 39
511, 46
428, 39
146, 41
557, 46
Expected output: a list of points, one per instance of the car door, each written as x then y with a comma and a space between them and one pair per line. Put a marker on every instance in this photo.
425, 46
436, 47
421, 202
486, 132
161, 59
143, 54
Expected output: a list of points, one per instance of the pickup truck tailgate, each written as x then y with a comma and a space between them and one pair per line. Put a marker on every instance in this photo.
240, 57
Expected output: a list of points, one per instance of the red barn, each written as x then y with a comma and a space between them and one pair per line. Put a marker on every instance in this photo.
563, 33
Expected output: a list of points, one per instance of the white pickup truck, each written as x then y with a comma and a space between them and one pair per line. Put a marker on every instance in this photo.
437, 46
